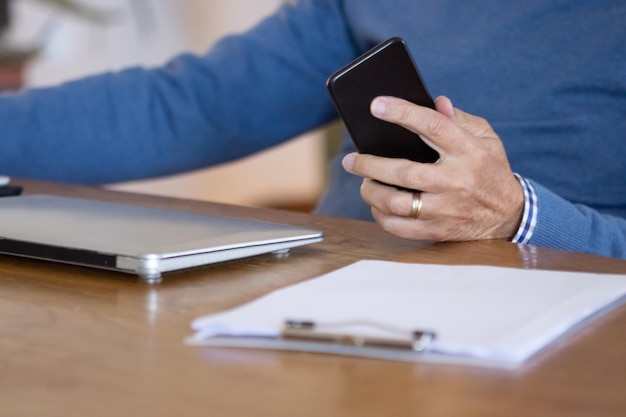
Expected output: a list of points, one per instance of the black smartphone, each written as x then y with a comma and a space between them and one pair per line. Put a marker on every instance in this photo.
385, 70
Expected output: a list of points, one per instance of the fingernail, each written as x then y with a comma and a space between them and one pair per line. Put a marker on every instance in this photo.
348, 162
379, 107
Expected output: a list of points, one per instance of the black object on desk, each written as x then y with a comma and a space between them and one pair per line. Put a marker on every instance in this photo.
10, 190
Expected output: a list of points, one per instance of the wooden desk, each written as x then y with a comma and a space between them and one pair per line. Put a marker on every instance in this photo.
81, 342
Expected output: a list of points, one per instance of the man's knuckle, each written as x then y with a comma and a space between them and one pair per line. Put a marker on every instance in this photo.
394, 204
403, 114
408, 177
436, 127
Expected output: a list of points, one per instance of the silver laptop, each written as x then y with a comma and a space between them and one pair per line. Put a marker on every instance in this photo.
143, 240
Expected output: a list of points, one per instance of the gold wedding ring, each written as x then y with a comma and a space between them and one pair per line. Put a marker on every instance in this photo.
416, 205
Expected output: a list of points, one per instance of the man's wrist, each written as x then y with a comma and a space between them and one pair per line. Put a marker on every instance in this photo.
529, 218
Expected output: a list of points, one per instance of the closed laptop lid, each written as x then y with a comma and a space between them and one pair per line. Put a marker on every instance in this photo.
131, 238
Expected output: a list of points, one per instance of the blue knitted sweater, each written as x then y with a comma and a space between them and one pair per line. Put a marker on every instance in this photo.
548, 75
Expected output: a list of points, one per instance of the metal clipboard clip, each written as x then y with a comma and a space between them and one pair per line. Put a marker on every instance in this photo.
306, 330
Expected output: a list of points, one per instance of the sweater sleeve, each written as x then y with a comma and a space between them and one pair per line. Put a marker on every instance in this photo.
249, 92
576, 228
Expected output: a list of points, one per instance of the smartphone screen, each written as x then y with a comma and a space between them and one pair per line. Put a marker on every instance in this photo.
386, 70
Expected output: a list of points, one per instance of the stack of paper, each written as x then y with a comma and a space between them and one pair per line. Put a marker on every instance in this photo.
480, 315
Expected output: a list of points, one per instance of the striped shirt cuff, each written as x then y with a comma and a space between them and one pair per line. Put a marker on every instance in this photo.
529, 220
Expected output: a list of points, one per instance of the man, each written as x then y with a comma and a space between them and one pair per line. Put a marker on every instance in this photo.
545, 77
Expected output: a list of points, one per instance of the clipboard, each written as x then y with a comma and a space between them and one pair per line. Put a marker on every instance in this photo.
470, 315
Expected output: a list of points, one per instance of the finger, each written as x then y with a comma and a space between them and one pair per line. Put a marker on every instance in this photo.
444, 106
394, 171
474, 125
405, 227
438, 220
439, 131
394, 202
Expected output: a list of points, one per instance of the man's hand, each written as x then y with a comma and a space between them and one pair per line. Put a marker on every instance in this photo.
470, 193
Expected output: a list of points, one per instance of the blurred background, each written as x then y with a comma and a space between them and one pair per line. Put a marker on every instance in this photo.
46, 42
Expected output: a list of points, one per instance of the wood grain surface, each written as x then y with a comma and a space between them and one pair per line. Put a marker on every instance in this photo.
82, 342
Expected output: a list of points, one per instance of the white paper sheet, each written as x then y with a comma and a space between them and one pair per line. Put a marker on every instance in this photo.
499, 315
